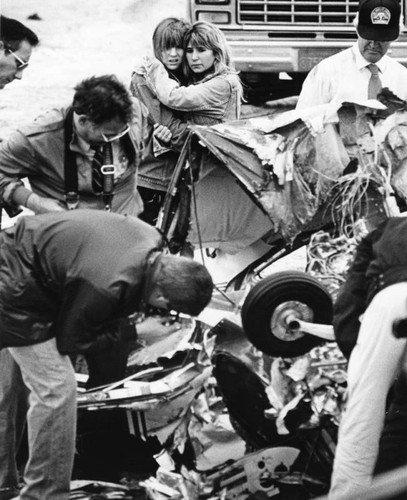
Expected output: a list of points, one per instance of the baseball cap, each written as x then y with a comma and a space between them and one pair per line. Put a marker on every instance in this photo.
379, 20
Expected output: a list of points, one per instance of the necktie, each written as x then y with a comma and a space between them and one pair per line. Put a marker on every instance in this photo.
102, 156
375, 84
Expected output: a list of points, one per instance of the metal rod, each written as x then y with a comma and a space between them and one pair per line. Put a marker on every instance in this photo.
318, 330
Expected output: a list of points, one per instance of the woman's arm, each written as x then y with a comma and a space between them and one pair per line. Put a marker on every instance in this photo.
210, 93
160, 114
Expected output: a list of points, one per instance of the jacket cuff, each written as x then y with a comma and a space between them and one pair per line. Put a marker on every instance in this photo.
15, 195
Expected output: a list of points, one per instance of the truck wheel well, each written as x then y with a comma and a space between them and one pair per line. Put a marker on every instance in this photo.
261, 87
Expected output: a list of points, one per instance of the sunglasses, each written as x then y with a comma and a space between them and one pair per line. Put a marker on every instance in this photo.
20, 63
111, 138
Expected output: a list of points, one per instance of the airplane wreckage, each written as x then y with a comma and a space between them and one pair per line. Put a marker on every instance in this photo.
261, 362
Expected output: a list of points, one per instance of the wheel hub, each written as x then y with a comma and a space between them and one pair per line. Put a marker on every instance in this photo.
284, 314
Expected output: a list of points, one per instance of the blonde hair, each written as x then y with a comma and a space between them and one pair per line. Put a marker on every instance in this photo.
209, 36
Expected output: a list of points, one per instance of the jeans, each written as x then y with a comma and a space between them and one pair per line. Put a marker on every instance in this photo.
51, 419
13, 410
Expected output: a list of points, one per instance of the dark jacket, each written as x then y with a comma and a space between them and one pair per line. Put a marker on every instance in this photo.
380, 261
72, 275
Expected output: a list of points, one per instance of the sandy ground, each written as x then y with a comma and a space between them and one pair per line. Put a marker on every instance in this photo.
78, 39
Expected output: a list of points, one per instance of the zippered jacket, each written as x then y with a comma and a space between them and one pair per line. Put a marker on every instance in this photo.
73, 275
380, 261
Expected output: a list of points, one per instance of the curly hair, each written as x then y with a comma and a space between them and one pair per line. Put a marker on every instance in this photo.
102, 98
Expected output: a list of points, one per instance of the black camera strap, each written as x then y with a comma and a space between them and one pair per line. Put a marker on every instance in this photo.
70, 165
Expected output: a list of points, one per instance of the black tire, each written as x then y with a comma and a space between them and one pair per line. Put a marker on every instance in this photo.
271, 292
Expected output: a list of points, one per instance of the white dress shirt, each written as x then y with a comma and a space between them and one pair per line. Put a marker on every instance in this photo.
345, 77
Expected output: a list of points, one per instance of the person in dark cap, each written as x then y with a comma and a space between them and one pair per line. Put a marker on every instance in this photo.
379, 20
361, 71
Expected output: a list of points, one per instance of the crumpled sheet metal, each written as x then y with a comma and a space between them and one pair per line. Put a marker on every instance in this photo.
329, 258
319, 377
255, 473
146, 395
169, 485
392, 134
288, 163
287, 171
207, 428
167, 347
100, 490
164, 389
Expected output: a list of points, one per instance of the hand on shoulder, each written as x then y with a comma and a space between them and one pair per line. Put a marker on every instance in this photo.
144, 64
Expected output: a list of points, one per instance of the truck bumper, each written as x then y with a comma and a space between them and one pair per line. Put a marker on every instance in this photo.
272, 57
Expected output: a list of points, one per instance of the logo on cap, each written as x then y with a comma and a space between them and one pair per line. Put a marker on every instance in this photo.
380, 15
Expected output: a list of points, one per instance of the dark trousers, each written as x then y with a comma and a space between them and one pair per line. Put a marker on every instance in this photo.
107, 366
103, 434
153, 200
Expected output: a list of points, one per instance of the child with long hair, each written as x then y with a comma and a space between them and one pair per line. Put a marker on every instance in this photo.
156, 168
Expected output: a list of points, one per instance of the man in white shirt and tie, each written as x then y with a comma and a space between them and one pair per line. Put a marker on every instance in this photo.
359, 72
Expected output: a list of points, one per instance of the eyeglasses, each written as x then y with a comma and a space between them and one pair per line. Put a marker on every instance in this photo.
170, 312
111, 138
20, 63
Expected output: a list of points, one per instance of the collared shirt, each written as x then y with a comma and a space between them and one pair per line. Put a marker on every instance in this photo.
85, 157
36, 152
345, 77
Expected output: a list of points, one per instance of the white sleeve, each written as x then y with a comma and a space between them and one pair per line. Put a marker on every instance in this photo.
372, 368
316, 89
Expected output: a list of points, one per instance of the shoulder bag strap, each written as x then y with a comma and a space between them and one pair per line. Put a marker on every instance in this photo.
70, 166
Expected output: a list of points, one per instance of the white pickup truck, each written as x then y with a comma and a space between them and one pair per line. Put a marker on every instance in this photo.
276, 42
